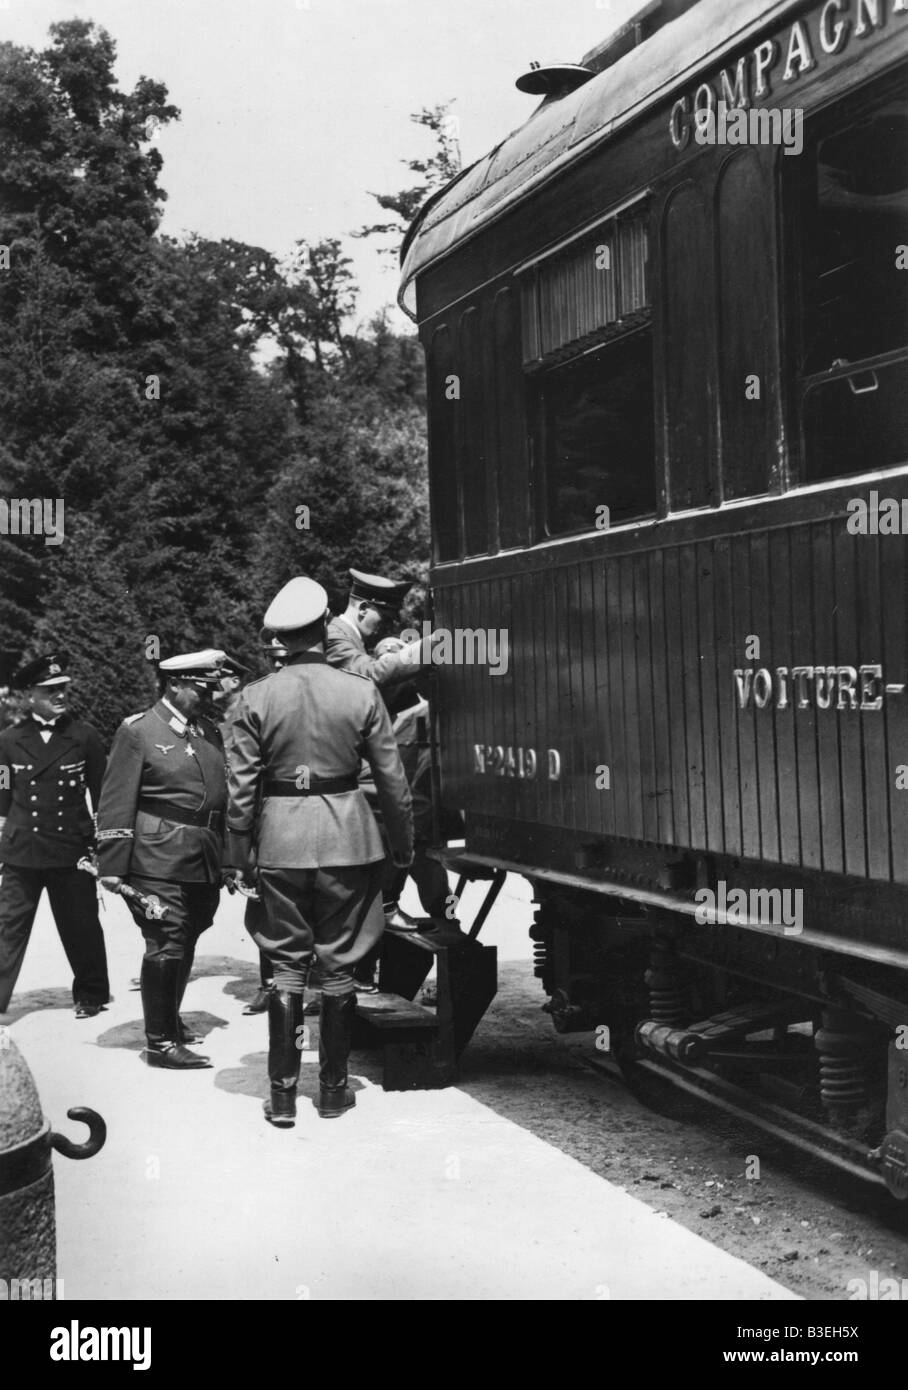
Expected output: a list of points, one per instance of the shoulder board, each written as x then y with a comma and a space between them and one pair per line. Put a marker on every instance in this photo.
131, 718
357, 675
257, 681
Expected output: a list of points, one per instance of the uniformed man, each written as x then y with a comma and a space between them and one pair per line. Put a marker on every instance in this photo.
226, 696
228, 703
47, 763
357, 641
295, 803
161, 829
273, 649
412, 735
372, 609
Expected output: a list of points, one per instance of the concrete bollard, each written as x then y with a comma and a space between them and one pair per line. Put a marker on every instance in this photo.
28, 1254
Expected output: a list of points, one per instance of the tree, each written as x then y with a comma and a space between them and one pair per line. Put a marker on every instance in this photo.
129, 387
363, 479
79, 203
132, 390
91, 615
436, 171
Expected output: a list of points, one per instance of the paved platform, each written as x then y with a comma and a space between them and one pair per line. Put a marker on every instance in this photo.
413, 1196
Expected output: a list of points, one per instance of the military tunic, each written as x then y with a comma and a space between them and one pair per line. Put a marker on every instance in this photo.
319, 853
161, 822
48, 828
346, 649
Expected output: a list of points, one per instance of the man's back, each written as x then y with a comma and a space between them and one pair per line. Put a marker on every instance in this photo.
295, 729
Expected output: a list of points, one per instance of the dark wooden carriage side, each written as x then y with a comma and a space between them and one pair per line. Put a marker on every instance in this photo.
623, 644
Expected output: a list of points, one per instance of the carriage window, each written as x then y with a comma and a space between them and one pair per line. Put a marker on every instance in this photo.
854, 387
597, 436
587, 345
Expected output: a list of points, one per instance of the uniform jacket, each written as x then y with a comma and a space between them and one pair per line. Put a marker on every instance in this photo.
48, 824
311, 716
157, 757
225, 728
346, 649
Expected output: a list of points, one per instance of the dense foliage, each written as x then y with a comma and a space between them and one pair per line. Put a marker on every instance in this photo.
203, 412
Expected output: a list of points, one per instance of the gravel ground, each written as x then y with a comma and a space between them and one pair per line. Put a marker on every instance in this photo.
802, 1223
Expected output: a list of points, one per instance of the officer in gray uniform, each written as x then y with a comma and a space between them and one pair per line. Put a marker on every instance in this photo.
372, 609
357, 641
48, 762
161, 830
298, 740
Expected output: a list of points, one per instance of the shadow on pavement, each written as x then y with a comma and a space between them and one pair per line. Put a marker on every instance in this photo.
33, 1000
131, 1035
250, 1078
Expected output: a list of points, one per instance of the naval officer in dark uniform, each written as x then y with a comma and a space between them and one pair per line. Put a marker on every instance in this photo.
161, 830
298, 741
47, 763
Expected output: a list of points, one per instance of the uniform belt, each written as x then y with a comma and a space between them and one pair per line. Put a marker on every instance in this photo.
318, 786
206, 820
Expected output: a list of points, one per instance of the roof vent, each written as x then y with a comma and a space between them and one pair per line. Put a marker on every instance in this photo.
554, 80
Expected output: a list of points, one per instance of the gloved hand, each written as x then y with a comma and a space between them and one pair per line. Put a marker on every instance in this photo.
388, 644
112, 882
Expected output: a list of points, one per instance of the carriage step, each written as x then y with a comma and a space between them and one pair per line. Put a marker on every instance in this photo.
391, 1013
420, 1046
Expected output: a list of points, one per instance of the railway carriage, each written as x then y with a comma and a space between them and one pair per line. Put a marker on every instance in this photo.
667, 352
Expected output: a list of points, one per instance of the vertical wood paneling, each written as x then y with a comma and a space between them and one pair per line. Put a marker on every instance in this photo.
646, 774
763, 595
693, 697
671, 598
616, 685
868, 601
551, 721
566, 710
629, 662
730, 655
803, 638
587, 724
784, 655
709, 695
608, 818
631, 703
452, 715
662, 790
748, 786
848, 722
824, 649
894, 577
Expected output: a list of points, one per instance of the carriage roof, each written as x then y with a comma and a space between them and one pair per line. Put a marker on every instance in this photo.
560, 130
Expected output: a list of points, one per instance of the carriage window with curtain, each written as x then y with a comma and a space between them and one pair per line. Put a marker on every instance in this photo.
587, 347
854, 379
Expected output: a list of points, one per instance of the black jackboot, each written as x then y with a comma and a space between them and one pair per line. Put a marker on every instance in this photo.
258, 1004
160, 984
185, 1035
285, 1017
335, 1034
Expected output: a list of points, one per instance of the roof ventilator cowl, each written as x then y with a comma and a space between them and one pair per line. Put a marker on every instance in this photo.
555, 80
